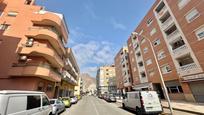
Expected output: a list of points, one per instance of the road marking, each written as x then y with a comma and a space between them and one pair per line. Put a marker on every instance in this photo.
95, 108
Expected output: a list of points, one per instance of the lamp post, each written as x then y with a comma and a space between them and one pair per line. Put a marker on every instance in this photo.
160, 73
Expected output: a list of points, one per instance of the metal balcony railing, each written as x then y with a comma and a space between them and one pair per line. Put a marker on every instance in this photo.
188, 67
180, 49
174, 34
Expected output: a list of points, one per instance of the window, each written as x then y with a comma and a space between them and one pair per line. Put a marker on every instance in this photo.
148, 62
149, 21
143, 74
192, 15
151, 72
161, 55
4, 26
166, 69
156, 42
145, 50
200, 33
12, 14
107, 69
33, 102
153, 31
16, 104
182, 3
40, 86
107, 73
28, 2
45, 101
49, 87
140, 64
175, 89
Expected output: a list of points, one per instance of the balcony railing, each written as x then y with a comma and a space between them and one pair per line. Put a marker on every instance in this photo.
173, 35
188, 67
167, 23
44, 65
162, 11
180, 49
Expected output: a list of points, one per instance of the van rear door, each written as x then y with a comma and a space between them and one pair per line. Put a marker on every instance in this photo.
151, 101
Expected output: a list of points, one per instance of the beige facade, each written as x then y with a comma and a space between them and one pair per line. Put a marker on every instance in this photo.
176, 31
104, 74
33, 50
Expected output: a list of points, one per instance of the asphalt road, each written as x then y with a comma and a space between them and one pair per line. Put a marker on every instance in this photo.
90, 105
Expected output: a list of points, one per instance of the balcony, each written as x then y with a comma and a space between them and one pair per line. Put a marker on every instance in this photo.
180, 51
46, 52
188, 69
162, 12
43, 71
54, 19
167, 23
48, 34
173, 35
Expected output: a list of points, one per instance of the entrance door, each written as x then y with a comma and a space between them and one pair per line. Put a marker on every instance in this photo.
158, 89
197, 89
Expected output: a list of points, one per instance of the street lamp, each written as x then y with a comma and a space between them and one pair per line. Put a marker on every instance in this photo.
161, 76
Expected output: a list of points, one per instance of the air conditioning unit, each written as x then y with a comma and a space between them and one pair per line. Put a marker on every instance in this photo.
29, 44
23, 58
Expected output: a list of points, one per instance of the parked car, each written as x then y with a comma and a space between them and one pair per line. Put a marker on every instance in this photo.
73, 100
143, 102
57, 106
78, 97
17, 102
111, 98
66, 101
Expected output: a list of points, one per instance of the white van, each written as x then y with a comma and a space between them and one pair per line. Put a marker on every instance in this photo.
144, 102
14, 102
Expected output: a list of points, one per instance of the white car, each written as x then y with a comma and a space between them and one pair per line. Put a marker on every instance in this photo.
57, 106
74, 100
144, 102
13, 102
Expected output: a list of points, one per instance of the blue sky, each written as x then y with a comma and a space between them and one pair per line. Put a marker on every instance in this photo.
98, 28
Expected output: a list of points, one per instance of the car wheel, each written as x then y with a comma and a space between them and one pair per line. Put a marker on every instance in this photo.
138, 111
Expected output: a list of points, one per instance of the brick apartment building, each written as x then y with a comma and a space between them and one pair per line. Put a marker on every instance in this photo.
33, 53
122, 70
175, 28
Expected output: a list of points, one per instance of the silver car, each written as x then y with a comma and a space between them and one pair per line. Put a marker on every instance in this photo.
57, 106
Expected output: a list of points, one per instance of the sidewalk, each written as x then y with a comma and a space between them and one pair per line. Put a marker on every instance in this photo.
196, 108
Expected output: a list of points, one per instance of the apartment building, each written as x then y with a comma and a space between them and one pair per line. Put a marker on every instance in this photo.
122, 69
33, 53
103, 79
176, 31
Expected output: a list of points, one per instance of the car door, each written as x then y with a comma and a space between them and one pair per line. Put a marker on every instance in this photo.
46, 107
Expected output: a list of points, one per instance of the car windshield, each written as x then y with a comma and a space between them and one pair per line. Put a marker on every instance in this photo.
52, 101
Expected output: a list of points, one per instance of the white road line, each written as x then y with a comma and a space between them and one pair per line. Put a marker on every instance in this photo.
95, 108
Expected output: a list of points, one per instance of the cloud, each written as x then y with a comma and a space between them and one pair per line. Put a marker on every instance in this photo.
89, 9
118, 25
92, 54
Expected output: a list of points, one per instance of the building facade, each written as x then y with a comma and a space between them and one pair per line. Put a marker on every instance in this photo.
32, 41
122, 69
103, 79
176, 31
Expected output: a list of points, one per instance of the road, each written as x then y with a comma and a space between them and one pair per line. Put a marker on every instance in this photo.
90, 105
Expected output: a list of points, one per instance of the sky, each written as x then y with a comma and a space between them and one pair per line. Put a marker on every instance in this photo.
98, 28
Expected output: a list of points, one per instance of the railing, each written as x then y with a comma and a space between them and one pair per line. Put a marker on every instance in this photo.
175, 33
167, 23
180, 49
44, 65
162, 11
48, 28
188, 67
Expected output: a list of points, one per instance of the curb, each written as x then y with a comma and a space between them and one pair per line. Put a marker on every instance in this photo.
189, 111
